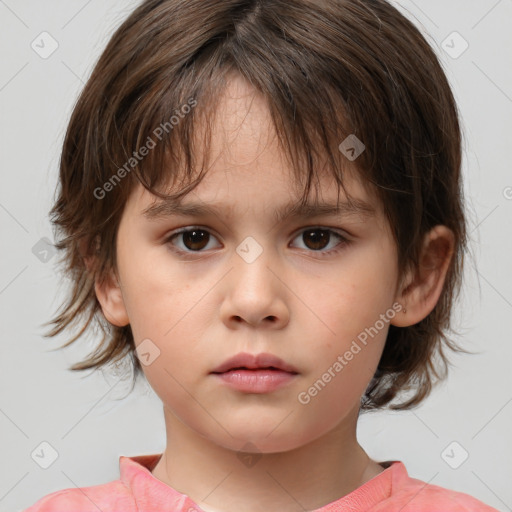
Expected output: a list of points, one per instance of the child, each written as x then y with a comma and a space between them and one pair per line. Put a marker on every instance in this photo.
263, 200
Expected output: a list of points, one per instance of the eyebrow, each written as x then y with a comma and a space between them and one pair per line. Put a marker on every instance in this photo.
170, 207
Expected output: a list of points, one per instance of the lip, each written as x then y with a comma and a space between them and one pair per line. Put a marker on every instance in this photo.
261, 361
260, 373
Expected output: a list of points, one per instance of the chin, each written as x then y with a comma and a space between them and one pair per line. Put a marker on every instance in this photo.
262, 436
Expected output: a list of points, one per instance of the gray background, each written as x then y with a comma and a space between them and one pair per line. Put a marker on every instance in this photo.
87, 418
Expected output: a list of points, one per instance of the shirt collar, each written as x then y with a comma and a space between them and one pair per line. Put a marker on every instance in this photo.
150, 493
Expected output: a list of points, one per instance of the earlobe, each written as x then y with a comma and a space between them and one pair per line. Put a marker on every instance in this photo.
424, 285
111, 299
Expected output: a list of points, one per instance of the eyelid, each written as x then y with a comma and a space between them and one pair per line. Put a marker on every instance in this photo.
337, 230
175, 233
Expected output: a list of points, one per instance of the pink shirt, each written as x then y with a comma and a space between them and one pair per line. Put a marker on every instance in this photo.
392, 490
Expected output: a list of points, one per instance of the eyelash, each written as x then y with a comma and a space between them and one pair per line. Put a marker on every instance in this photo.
339, 247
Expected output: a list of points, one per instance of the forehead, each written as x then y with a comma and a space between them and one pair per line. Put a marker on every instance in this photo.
246, 165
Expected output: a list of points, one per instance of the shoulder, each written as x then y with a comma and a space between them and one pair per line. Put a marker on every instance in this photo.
433, 498
413, 495
113, 496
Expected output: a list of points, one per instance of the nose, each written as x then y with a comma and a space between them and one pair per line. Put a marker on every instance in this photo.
255, 294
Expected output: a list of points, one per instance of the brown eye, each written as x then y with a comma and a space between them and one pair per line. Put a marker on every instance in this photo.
195, 239
322, 241
316, 239
190, 240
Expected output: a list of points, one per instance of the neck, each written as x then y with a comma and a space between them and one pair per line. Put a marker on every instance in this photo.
223, 480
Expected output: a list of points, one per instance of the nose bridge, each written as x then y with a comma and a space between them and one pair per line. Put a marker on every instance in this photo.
252, 266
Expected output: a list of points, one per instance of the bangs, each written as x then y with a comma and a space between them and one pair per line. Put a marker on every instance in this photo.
176, 129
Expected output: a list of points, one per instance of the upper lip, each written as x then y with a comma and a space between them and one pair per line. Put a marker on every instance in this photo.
253, 362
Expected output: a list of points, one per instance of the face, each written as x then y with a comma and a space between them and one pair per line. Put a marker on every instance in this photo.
315, 290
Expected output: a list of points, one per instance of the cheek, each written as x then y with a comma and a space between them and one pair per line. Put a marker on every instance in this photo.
156, 294
350, 303
348, 322
170, 308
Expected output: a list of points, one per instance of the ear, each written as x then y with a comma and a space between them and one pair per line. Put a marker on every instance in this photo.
423, 286
110, 297
108, 293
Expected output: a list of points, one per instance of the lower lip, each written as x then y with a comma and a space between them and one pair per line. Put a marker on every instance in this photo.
256, 381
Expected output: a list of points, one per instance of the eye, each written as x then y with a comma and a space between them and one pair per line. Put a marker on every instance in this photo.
316, 239
195, 239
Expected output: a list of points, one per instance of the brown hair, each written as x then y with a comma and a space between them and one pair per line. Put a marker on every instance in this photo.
327, 69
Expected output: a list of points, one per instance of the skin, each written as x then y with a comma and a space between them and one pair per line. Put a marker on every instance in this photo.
303, 304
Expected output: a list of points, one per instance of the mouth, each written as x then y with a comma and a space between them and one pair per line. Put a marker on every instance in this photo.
259, 369
255, 374
255, 363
